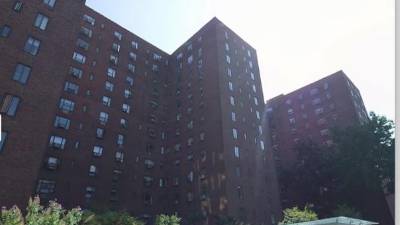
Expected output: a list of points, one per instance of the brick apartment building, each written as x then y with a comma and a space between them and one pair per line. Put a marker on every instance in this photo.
309, 113
95, 116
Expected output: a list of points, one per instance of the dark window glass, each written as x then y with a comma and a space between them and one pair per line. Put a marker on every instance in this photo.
61, 122
50, 3
41, 21
32, 46
5, 31
17, 6
75, 72
22, 73
2, 140
71, 88
9, 105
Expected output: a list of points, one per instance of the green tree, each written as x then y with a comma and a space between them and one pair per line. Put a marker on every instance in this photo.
167, 220
109, 218
11, 216
296, 215
366, 152
36, 214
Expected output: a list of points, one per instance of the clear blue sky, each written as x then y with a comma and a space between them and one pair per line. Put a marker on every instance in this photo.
297, 42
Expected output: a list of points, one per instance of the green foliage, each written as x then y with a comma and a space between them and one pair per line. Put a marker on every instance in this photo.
36, 214
167, 220
352, 172
11, 216
296, 215
345, 210
109, 218
366, 152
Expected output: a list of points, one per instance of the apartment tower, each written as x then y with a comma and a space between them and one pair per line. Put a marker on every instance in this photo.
95, 116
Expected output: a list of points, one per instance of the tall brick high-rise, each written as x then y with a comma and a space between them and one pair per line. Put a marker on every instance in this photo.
95, 116
309, 114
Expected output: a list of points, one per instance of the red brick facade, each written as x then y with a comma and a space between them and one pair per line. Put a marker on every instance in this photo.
107, 120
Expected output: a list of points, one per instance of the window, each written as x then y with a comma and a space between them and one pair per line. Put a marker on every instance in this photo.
120, 140
250, 64
116, 47
5, 31
135, 45
75, 72
319, 111
255, 101
114, 59
324, 132
316, 101
262, 145
71, 88
234, 133
2, 140
226, 46
232, 100
126, 108
132, 56
90, 20
237, 171
124, 123
17, 6
190, 141
52, 163
103, 118
190, 59
230, 86
155, 68
127, 93
21, 73
9, 105
157, 57
252, 76
32, 46
129, 80
100, 133
119, 157
233, 116
229, 72
111, 72
326, 86
290, 111
148, 163
258, 115
190, 125
228, 59
66, 105
50, 3
202, 136
292, 121
92, 170
131, 68
82, 44
41, 21
97, 151
254, 88
314, 91
79, 58
106, 101
45, 187
237, 152
148, 181
62, 122
57, 142
109, 86
86, 31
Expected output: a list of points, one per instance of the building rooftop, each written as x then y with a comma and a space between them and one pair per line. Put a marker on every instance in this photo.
341, 220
